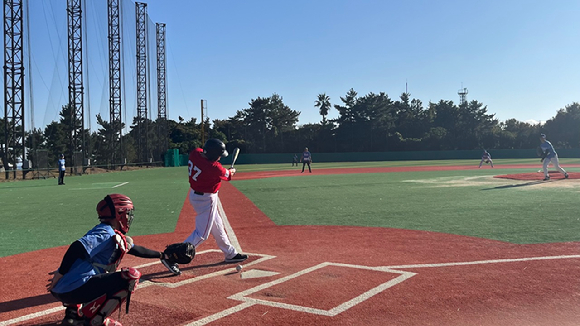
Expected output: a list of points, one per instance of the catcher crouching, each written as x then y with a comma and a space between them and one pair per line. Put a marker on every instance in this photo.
87, 281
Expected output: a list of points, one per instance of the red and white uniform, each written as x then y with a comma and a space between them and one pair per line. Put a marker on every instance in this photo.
205, 179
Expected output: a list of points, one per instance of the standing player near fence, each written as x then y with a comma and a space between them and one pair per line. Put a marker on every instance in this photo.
486, 157
306, 159
61, 169
550, 155
205, 176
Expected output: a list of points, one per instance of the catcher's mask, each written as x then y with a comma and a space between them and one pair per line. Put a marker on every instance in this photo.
118, 207
214, 149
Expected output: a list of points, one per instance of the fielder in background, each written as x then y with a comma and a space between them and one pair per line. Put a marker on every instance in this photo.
550, 155
306, 159
486, 157
87, 281
61, 169
295, 160
205, 176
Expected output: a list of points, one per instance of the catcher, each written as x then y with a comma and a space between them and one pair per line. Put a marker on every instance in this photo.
87, 281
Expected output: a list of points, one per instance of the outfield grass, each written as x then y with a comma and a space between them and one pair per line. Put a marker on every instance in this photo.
468, 202
39, 214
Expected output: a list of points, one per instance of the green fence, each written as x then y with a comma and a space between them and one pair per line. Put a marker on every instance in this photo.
385, 156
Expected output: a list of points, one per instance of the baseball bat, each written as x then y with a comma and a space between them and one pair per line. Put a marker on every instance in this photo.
235, 154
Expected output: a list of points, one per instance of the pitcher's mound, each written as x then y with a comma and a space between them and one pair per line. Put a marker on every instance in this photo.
554, 175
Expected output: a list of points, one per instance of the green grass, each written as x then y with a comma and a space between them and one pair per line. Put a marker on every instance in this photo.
39, 214
434, 201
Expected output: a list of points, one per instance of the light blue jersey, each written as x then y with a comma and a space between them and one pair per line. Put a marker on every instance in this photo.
547, 146
100, 244
61, 166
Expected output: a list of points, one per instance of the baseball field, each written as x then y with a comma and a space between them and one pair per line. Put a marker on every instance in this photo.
365, 243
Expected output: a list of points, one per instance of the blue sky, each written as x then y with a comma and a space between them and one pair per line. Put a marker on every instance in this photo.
519, 58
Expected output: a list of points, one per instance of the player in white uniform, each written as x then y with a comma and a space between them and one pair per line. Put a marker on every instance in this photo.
205, 176
550, 156
486, 157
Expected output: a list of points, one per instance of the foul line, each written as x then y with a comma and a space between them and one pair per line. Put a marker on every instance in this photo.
479, 262
119, 185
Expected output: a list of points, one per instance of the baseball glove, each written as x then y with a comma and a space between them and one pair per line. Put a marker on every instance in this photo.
180, 253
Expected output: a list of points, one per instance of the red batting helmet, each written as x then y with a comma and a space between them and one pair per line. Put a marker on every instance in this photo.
119, 207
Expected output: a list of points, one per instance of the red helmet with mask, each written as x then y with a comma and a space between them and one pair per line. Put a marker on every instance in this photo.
118, 207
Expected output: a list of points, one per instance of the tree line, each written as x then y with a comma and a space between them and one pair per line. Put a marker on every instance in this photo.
367, 123
377, 123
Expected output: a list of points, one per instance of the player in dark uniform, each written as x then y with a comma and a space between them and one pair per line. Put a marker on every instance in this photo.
87, 282
306, 159
295, 160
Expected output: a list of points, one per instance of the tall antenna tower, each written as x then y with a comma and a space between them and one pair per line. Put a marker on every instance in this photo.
203, 117
462, 95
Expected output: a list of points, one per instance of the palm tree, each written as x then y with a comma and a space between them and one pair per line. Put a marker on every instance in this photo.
323, 103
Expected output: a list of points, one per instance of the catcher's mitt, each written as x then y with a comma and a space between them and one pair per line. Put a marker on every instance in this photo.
180, 253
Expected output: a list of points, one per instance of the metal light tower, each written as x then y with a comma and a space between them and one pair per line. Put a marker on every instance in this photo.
142, 125
462, 96
115, 139
75, 80
13, 85
161, 89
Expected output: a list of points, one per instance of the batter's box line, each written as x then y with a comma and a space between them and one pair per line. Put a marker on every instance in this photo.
202, 277
243, 296
249, 302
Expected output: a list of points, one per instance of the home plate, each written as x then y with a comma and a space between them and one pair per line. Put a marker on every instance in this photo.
257, 273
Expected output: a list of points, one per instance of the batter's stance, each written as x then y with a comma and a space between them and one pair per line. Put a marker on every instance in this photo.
205, 176
550, 156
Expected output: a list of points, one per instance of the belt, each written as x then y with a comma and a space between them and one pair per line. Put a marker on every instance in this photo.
198, 193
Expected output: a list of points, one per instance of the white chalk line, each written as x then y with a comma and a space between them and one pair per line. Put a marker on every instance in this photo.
206, 276
229, 230
242, 296
31, 316
480, 262
121, 184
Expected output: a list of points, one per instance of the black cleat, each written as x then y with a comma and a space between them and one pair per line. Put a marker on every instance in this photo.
237, 258
72, 318
173, 268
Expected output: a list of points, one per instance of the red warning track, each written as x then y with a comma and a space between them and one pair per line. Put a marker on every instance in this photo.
326, 275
